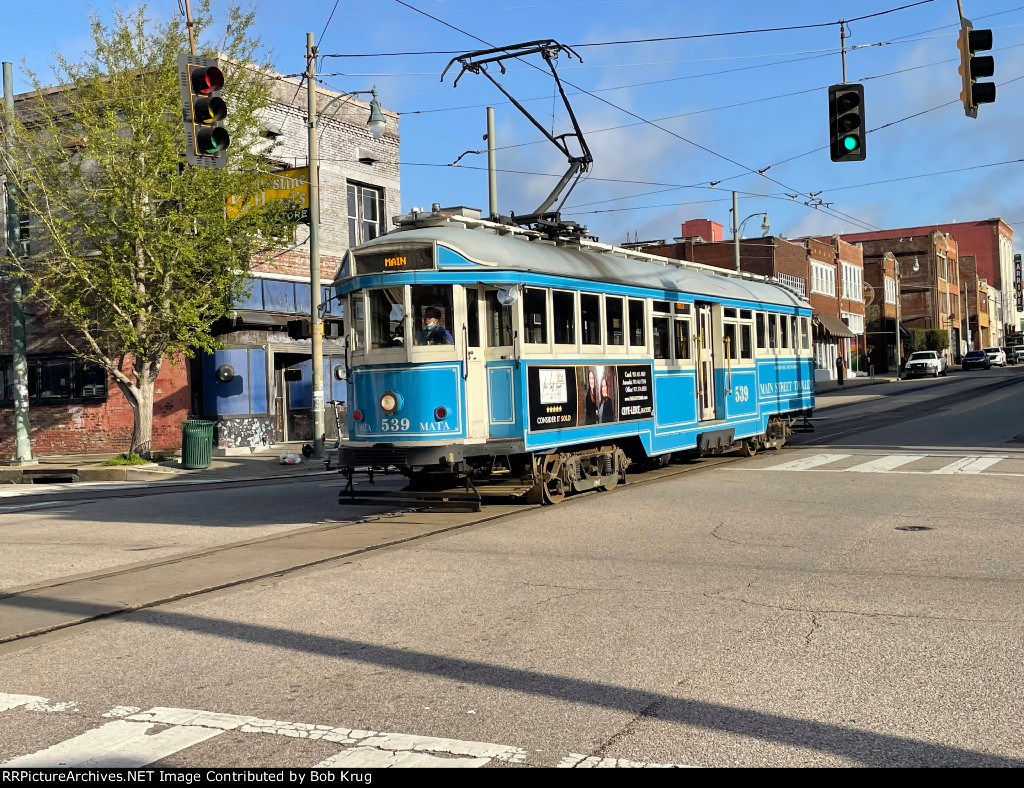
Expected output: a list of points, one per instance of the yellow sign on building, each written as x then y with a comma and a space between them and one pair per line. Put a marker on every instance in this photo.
289, 185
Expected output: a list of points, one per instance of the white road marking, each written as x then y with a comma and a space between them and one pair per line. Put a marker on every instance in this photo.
8, 701
970, 465
576, 761
806, 463
119, 744
882, 464
370, 758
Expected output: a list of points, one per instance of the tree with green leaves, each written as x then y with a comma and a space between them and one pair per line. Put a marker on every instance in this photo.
132, 249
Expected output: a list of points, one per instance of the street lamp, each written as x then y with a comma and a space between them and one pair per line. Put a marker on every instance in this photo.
375, 128
899, 295
737, 229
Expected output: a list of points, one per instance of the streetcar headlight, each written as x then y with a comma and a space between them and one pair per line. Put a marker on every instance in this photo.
389, 402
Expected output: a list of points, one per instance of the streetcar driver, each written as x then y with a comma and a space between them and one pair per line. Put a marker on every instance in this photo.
433, 332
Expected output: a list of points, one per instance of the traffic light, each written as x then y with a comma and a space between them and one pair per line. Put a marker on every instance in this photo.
846, 122
973, 68
203, 110
298, 329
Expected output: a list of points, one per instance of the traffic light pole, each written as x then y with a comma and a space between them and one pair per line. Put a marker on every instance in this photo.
316, 333
19, 335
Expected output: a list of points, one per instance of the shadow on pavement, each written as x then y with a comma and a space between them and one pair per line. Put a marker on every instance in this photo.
865, 747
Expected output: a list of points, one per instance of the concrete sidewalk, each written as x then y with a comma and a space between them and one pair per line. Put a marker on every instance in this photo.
54, 472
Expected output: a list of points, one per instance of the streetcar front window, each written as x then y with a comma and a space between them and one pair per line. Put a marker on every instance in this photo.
433, 315
387, 318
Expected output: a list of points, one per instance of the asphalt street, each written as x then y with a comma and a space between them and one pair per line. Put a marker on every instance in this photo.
850, 601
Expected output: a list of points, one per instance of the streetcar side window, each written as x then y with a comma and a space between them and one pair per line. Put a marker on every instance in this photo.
433, 315
762, 339
563, 306
636, 323
472, 317
614, 321
535, 316
499, 322
746, 344
682, 337
794, 331
805, 333
387, 317
662, 338
729, 334
784, 334
358, 312
773, 332
590, 318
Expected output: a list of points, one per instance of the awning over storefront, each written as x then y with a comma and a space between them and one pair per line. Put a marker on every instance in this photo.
834, 326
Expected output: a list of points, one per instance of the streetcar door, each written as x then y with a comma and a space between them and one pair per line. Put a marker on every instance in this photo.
705, 340
476, 368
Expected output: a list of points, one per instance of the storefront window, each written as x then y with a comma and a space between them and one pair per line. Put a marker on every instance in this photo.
387, 318
432, 314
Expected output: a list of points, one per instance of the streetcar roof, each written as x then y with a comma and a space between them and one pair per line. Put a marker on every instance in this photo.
530, 255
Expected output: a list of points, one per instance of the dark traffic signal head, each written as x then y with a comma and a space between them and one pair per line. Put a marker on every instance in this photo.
974, 68
846, 122
206, 139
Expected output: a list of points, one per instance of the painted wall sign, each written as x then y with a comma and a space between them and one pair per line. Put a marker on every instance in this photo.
287, 185
581, 396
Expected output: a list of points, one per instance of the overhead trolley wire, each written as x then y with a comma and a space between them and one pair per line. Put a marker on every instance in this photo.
831, 211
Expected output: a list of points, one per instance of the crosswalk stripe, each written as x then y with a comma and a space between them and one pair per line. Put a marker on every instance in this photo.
8, 701
970, 465
806, 463
371, 758
118, 744
886, 463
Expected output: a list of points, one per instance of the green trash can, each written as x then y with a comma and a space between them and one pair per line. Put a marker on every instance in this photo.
196, 443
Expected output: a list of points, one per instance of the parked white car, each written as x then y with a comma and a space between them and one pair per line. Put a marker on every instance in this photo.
926, 362
996, 356
1018, 353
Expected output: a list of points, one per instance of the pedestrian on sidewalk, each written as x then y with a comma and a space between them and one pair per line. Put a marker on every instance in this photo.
841, 369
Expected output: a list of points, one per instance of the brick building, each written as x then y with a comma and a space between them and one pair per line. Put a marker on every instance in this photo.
271, 399
989, 242
75, 408
828, 275
930, 297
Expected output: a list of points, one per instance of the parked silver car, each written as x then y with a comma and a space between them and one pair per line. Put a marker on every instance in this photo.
926, 362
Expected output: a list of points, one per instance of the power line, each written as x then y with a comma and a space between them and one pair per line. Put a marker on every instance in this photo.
690, 37
329, 18
831, 211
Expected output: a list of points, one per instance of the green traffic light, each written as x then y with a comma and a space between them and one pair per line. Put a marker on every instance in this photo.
851, 143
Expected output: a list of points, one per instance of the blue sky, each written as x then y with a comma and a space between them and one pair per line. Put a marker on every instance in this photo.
907, 61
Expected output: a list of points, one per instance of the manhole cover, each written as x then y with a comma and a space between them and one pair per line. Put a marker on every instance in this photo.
913, 528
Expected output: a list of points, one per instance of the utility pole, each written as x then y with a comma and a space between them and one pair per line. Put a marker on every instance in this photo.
316, 331
735, 232
19, 337
492, 168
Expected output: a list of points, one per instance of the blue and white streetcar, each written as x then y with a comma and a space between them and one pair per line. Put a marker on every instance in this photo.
477, 348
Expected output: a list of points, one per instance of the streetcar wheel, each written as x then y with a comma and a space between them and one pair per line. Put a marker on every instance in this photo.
554, 491
748, 448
